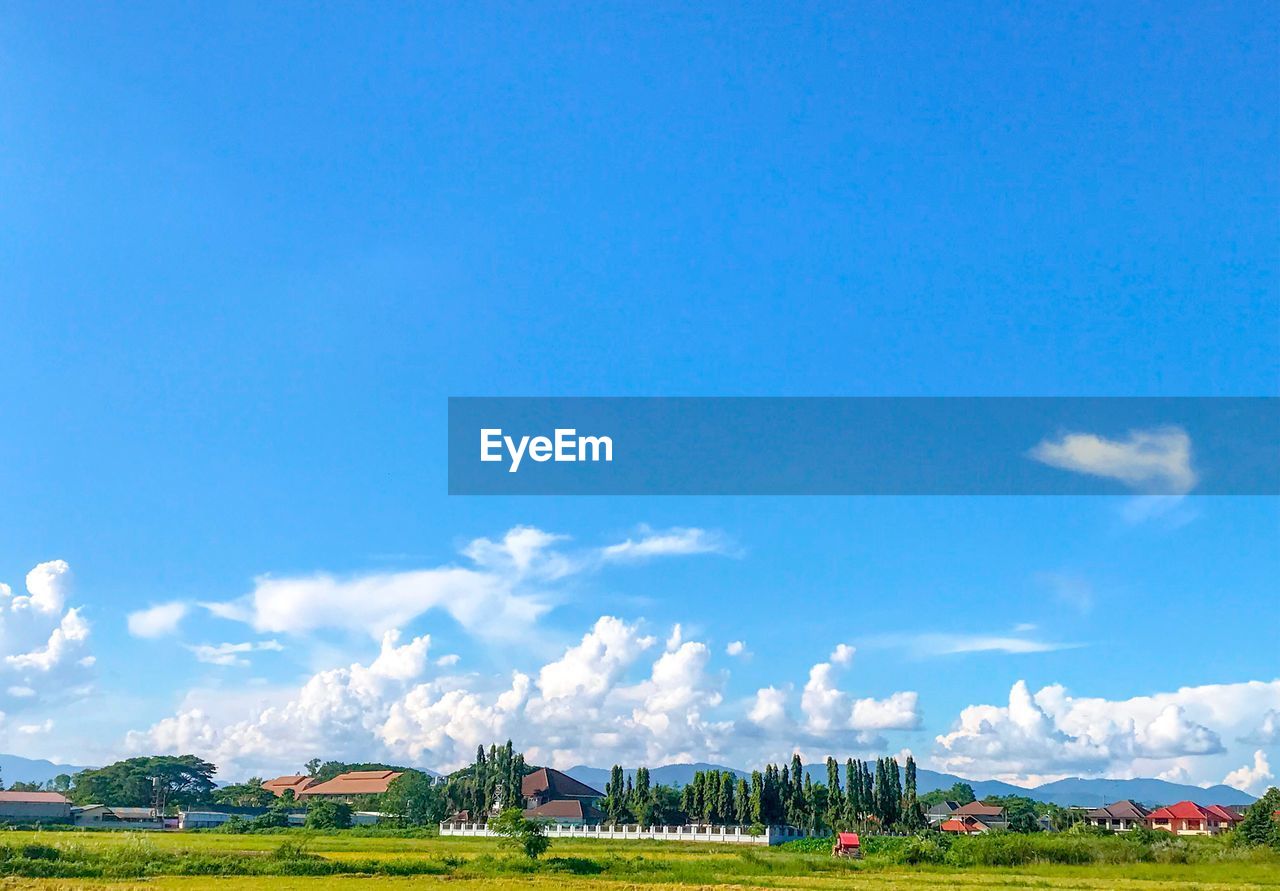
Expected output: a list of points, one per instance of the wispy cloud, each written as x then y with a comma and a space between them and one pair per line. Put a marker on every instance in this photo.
667, 542
157, 621
1068, 589
1155, 461
936, 644
232, 653
508, 587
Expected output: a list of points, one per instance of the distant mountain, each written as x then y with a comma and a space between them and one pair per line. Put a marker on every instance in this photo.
1075, 791
1099, 792
16, 769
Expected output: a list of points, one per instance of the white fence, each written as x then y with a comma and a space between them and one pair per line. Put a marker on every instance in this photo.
733, 835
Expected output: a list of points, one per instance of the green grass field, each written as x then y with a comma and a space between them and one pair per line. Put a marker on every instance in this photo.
482, 863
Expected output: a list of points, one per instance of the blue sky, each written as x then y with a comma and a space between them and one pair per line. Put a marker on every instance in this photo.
248, 253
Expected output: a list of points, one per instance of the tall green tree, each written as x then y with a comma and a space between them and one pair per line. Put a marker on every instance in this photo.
835, 796
852, 792
1260, 826
414, 799
184, 779
913, 819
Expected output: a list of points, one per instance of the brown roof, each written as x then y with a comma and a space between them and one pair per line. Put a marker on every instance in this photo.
978, 809
296, 782
34, 797
357, 782
565, 809
1120, 810
556, 784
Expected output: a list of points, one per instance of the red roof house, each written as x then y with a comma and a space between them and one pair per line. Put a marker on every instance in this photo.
1189, 818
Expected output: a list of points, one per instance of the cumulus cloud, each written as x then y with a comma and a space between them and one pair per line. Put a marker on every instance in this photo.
770, 708
1154, 462
232, 654
1251, 777
1267, 733
898, 712
614, 695
42, 641
46, 588
500, 595
842, 654
72, 630
157, 621
1053, 734
736, 648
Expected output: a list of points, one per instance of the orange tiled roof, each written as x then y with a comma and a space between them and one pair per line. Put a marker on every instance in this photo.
296, 782
357, 782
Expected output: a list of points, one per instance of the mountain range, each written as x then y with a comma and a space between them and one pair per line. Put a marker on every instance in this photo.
16, 769
1073, 791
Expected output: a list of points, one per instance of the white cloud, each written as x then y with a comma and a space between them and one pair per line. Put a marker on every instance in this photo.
448, 660
668, 542
929, 645
32, 729
770, 708
1251, 778
899, 712
612, 696
72, 630
842, 654
42, 642
46, 588
1267, 733
1052, 734
500, 596
232, 654
1155, 461
157, 621
736, 648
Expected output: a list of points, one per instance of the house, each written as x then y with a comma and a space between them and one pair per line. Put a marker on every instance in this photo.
101, 816
1118, 817
294, 783
964, 825
350, 786
34, 807
1189, 818
548, 784
566, 811
989, 815
1231, 817
941, 812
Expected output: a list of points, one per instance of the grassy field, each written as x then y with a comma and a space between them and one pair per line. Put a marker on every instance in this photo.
480, 863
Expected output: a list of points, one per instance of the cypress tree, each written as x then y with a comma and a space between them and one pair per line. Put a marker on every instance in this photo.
756, 811
742, 798
852, 792
835, 798
728, 807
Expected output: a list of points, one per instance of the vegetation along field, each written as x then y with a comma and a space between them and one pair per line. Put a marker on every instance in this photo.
365, 860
